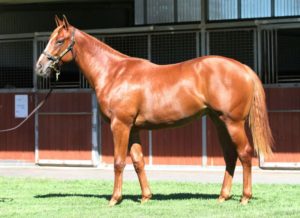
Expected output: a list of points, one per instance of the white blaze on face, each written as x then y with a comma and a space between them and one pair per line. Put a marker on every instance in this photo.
47, 47
43, 63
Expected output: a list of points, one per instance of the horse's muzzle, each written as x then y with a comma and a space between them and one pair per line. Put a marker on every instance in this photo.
44, 70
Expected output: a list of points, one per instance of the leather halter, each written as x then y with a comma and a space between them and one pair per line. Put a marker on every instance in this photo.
56, 59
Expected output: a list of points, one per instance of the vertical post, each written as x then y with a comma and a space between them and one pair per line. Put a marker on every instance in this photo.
34, 61
261, 160
95, 131
259, 52
276, 56
36, 115
239, 9
150, 147
198, 46
204, 51
255, 51
267, 42
272, 8
175, 4
36, 132
150, 131
272, 55
204, 10
145, 12
204, 142
203, 45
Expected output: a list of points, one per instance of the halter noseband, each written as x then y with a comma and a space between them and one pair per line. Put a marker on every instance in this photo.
56, 59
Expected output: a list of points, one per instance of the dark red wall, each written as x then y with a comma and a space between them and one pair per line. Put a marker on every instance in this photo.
284, 115
18, 144
65, 134
178, 146
65, 124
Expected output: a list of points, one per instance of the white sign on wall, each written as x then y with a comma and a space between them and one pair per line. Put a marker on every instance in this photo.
21, 106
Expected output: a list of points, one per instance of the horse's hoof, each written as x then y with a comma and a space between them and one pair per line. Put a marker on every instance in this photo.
222, 199
244, 200
145, 199
114, 201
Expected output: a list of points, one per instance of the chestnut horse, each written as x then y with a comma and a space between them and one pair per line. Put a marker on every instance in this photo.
136, 94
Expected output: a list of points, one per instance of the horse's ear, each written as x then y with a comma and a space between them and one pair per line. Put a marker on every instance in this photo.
65, 22
58, 21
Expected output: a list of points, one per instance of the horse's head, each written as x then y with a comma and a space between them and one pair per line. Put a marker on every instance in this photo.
58, 50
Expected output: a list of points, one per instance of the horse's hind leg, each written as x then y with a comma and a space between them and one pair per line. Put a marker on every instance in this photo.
244, 150
139, 164
230, 156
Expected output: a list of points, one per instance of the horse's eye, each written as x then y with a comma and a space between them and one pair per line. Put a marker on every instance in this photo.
60, 41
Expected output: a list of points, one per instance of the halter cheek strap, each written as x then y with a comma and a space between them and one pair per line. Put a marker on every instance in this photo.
56, 59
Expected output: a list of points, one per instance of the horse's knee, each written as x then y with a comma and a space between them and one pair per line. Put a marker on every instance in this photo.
119, 165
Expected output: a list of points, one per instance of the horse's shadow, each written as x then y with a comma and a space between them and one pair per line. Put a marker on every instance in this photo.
3, 200
136, 198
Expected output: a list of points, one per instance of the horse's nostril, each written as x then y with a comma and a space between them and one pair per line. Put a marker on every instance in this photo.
38, 67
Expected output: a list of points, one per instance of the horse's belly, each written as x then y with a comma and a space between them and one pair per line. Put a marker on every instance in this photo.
153, 124
174, 113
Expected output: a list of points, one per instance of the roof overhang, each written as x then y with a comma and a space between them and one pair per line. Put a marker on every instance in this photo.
12, 2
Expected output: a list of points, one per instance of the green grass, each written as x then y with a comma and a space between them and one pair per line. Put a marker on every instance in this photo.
89, 198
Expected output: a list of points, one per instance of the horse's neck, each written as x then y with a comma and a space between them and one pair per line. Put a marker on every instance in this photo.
95, 59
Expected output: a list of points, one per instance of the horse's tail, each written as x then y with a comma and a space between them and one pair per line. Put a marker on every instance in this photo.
258, 120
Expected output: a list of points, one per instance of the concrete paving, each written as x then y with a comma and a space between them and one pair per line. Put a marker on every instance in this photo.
155, 173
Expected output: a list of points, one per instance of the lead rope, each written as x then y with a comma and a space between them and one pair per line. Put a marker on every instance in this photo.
57, 73
30, 115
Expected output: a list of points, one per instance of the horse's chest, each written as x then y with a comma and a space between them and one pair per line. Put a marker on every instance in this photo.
103, 105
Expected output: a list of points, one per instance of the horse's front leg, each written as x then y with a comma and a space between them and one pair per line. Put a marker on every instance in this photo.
120, 132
